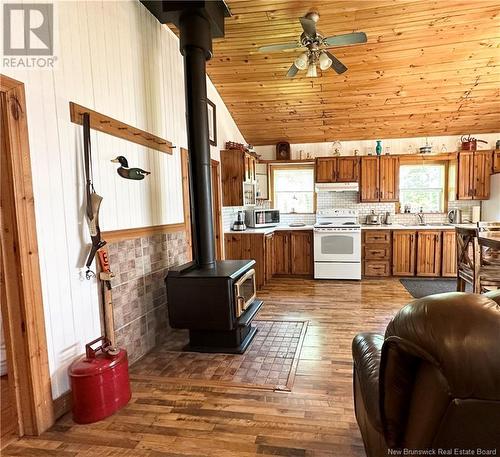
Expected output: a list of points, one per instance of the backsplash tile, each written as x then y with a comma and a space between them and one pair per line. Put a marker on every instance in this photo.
138, 290
349, 200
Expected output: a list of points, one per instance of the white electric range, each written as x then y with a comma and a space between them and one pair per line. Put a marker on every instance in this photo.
337, 244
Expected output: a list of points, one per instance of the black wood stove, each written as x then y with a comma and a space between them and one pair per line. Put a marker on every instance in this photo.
215, 300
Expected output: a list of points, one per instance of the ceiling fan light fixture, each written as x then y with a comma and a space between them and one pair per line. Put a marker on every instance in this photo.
302, 61
324, 61
311, 71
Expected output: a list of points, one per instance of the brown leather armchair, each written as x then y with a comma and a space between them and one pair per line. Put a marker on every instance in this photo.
433, 380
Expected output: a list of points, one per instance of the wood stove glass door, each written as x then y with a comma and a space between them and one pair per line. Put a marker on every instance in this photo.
245, 291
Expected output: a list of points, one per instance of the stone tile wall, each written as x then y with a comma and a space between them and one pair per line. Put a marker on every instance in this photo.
140, 308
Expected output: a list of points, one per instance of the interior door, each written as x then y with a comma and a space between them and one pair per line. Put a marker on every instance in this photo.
217, 209
347, 169
325, 169
369, 183
482, 165
389, 179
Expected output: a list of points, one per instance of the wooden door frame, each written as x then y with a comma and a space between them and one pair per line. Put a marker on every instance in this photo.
22, 311
217, 210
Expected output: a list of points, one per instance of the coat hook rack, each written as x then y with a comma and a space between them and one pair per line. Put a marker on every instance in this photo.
119, 129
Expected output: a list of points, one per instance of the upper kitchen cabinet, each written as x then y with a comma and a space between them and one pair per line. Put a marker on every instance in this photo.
473, 178
337, 169
238, 176
379, 179
496, 161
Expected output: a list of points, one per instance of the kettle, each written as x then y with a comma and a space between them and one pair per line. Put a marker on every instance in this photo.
239, 223
455, 216
372, 219
387, 218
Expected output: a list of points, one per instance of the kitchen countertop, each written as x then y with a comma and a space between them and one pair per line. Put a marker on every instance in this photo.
266, 230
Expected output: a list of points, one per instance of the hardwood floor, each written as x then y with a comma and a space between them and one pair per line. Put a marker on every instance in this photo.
316, 419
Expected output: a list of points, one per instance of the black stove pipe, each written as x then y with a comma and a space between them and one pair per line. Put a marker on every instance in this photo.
196, 45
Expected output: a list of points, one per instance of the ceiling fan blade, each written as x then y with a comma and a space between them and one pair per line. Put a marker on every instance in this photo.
279, 47
292, 71
309, 26
337, 65
344, 40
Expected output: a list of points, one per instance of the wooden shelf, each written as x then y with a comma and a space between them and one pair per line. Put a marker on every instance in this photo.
286, 162
119, 129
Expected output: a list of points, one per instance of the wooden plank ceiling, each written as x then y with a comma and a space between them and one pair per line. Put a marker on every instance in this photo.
429, 68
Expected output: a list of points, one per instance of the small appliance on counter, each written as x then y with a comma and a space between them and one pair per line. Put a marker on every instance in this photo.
455, 216
372, 219
476, 214
387, 218
239, 223
259, 218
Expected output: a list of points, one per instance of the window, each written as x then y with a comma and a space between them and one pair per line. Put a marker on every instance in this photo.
422, 186
293, 189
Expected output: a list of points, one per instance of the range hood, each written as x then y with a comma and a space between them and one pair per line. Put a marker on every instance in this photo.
337, 187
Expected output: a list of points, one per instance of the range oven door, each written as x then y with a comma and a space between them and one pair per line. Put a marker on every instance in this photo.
245, 292
337, 245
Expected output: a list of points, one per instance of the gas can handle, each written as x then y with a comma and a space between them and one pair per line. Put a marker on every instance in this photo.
91, 352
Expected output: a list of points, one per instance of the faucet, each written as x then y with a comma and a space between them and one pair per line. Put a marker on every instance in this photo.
420, 217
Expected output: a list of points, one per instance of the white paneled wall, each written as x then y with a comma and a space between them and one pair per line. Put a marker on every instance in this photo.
113, 57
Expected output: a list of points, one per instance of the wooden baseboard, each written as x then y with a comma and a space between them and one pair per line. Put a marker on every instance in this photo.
62, 404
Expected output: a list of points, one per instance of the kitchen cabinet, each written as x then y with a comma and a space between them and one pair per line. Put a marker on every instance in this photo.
293, 252
369, 183
269, 256
403, 252
473, 177
379, 179
376, 253
496, 161
243, 246
449, 256
429, 253
301, 252
238, 177
337, 169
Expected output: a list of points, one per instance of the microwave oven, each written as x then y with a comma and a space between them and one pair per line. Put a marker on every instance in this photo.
262, 218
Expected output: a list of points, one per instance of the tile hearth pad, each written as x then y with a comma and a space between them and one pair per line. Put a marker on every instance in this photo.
270, 362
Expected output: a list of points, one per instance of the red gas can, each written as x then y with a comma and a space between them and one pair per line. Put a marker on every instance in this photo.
99, 382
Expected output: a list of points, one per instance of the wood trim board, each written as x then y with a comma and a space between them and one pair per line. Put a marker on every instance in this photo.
113, 236
22, 307
107, 124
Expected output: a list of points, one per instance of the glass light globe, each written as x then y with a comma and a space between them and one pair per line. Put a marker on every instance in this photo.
311, 71
302, 61
324, 61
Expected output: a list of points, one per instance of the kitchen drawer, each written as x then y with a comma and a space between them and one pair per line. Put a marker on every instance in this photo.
377, 236
377, 268
381, 252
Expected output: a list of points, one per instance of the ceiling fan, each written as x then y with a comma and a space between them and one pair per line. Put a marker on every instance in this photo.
316, 48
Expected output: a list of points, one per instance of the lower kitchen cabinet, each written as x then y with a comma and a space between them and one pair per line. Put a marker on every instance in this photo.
449, 257
376, 251
301, 252
403, 252
429, 253
293, 252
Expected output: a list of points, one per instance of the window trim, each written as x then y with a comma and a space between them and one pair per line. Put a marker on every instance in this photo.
291, 166
421, 161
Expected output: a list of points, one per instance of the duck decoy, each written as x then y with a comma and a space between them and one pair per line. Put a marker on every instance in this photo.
129, 173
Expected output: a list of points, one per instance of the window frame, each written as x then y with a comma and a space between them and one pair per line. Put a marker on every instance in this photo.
429, 161
292, 166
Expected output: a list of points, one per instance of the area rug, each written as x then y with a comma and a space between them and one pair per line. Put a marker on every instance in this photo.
270, 362
420, 287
